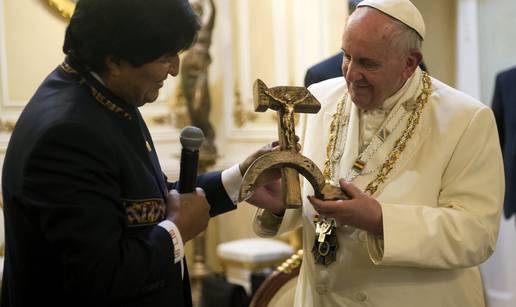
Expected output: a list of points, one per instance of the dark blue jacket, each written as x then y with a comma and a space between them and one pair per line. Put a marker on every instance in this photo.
504, 108
327, 69
83, 193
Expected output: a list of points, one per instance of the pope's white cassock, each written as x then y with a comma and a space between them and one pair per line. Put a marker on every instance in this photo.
440, 203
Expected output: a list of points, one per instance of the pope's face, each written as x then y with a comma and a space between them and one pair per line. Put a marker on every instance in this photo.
373, 68
140, 85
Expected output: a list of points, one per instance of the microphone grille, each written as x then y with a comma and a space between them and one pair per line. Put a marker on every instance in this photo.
191, 138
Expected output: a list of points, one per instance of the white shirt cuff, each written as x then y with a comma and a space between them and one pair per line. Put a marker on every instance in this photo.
175, 235
231, 180
171, 228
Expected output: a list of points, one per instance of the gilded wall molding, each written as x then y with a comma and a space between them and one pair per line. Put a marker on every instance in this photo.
7, 126
159, 120
64, 7
240, 113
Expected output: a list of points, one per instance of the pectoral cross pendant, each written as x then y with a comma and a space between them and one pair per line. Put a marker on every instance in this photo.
325, 243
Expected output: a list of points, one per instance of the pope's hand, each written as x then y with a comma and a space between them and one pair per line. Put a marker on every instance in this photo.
268, 196
361, 211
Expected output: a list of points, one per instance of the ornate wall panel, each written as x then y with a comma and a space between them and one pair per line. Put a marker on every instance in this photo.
5, 122
468, 64
275, 41
439, 47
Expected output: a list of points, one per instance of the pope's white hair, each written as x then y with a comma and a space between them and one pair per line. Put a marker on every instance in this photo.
404, 38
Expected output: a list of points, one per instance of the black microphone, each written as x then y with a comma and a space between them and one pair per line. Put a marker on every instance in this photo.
191, 139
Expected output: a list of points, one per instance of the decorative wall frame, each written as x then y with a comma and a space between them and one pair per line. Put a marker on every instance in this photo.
299, 37
64, 7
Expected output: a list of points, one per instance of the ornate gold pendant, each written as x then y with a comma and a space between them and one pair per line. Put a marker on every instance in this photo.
325, 242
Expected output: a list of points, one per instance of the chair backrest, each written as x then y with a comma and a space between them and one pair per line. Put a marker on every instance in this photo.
279, 288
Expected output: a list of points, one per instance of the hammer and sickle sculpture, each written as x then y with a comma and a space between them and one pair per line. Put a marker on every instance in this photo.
287, 100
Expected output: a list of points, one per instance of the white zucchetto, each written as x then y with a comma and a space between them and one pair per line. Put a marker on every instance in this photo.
402, 10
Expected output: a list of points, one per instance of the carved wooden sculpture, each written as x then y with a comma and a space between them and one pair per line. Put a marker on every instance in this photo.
287, 100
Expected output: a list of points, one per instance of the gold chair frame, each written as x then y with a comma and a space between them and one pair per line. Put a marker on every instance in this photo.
287, 271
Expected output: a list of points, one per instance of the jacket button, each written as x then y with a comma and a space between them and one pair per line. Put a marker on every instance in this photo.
360, 296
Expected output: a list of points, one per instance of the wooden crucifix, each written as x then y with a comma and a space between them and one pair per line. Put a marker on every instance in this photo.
286, 100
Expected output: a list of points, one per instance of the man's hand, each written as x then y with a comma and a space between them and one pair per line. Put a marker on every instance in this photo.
274, 146
267, 194
244, 165
190, 212
361, 211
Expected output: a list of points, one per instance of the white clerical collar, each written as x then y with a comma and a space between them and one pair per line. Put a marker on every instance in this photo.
410, 87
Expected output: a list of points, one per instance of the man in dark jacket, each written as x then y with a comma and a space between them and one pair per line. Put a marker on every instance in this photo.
89, 218
504, 108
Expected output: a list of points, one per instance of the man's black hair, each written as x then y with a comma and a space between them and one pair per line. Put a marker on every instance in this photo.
352, 5
138, 31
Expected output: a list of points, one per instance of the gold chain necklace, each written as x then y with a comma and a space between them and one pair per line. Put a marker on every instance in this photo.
392, 158
335, 131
